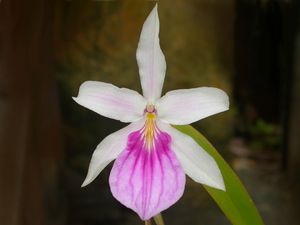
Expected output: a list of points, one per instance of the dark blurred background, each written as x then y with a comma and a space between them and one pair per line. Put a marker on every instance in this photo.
249, 48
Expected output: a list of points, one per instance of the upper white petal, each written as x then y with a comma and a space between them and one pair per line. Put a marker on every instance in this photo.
110, 101
186, 106
195, 161
150, 58
109, 149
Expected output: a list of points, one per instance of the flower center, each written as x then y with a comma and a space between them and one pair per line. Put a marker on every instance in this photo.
150, 108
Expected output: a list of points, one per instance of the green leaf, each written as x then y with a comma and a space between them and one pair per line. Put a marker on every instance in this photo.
236, 203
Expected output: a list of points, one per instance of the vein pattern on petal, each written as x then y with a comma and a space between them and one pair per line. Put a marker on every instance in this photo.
147, 177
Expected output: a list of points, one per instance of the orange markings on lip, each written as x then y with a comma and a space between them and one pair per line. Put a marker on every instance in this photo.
150, 129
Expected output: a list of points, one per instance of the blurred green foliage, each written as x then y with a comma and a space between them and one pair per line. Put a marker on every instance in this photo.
264, 135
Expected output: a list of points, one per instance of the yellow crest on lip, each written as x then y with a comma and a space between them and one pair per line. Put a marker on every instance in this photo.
150, 129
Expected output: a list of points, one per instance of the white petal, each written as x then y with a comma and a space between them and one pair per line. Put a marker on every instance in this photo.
110, 101
195, 161
150, 58
109, 149
190, 105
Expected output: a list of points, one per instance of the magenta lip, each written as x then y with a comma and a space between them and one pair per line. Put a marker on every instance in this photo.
147, 180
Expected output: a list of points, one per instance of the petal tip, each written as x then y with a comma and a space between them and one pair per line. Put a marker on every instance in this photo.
219, 184
85, 183
226, 107
227, 103
222, 187
154, 9
75, 99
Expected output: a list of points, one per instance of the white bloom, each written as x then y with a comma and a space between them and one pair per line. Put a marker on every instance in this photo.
152, 157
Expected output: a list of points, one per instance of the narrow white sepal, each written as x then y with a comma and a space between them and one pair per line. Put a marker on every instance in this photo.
150, 58
186, 106
195, 161
109, 149
110, 101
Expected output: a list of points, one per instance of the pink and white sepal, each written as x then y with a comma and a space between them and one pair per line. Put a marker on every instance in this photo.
152, 157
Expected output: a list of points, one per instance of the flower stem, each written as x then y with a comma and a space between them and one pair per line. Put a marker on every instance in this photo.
159, 219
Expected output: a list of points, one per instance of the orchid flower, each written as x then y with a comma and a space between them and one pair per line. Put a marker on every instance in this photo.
152, 157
